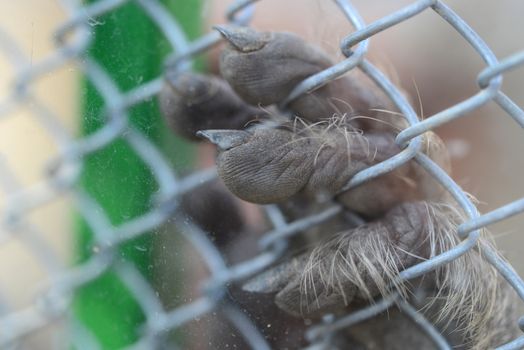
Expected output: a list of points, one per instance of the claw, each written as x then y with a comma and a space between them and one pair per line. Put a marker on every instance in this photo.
225, 139
275, 279
243, 39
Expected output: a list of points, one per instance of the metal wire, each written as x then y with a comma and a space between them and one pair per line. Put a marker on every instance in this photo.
62, 177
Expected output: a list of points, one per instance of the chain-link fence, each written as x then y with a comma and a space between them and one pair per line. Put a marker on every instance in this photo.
73, 40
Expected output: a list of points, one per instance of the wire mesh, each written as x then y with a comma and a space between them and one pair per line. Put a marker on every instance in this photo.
62, 173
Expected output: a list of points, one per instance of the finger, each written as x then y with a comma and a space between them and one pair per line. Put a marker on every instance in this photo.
270, 166
358, 264
409, 182
263, 68
190, 102
216, 211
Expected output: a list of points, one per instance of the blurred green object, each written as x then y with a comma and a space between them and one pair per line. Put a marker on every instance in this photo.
131, 49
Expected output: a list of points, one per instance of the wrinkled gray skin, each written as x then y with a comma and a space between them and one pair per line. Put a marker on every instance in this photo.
263, 69
287, 164
337, 267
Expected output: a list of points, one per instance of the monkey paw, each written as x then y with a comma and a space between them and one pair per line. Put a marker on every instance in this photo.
336, 131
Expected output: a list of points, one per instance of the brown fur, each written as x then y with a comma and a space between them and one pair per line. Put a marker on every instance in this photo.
468, 291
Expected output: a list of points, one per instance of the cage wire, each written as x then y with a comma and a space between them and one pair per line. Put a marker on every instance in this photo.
73, 39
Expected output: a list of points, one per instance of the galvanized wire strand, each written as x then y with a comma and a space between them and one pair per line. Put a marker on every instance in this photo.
239, 13
81, 337
470, 104
353, 318
507, 64
437, 338
250, 333
492, 217
510, 107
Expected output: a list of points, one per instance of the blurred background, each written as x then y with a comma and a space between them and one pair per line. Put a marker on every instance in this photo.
424, 55
25, 148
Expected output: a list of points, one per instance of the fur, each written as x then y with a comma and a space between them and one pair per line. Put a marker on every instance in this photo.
468, 290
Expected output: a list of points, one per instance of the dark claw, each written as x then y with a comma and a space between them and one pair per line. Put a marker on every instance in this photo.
276, 278
225, 139
243, 39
